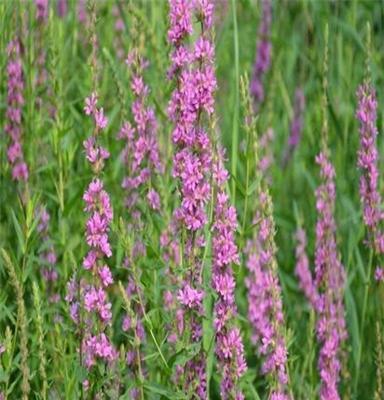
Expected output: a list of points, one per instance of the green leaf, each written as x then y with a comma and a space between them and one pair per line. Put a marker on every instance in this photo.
162, 390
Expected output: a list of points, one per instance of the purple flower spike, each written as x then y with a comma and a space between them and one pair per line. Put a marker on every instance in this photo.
329, 279
265, 309
296, 125
229, 343
302, 271
192, 102
263, 54
15, 101
367, 162
95, 345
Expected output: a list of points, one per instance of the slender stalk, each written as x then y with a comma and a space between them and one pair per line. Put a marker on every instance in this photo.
130, 312
235, 121
21, 322
40, 335
363, 318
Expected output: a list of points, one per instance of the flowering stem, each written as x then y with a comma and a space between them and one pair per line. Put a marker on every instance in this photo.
363, 317
246, 188
148, 321
235, 127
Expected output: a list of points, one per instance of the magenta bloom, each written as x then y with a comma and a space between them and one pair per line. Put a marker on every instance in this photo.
97, 308
297, 121
143, 166
379, 274
141, 153
82, 11
263, 54
265, 310
41, 80
367, 162
62, 8
41, 9
296, 124
15, 101
329, 279
48, 256
192, 101
325, 292
229, 343
302, 271
119, 32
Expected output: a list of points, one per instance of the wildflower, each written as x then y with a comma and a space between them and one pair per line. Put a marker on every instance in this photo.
296, 124
100, 119
62, 8
141, 153
263, 53
98, 346
41, 9
119, 28
190, 297
297, 121
329, 278
302, 270
95, 344
153, 199
229, 344
367, 161
265, 309
379, 274
266, 153
15, 101
81, 11
48, 256
195, 82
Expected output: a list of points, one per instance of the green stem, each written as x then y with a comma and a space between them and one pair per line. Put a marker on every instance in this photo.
235, 126
363, 317
246, 190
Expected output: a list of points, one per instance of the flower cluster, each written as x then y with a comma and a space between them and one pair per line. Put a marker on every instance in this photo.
265, 311
263, 53
302, 271
41, 10
15, 101
229, 343
97, 308
192, 100
266, 152
81, 10
296, 124
62, 8
119, 32
297, 121
329, 280
48, 255
141, 157
141, 152
367, 162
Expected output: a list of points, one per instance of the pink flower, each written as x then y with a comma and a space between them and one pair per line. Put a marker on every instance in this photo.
20, 172
190, 297
263, 53
100, 119
105, 276
90, 104
379, 274
153, 199
15, 100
